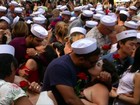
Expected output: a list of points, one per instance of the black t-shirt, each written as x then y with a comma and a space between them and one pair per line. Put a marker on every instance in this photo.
60, 71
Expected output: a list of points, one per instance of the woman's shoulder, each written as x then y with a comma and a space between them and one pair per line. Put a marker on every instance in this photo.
10, 92
11, 88
98, 87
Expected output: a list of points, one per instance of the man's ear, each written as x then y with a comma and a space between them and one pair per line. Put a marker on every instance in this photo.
120, 44
81, 59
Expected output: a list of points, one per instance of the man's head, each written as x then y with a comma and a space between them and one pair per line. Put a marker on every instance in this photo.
106, 25
127, 41
3, 11
66, 15
123, 15
132, 10
17, 12
86, 15
86, 52
38, 34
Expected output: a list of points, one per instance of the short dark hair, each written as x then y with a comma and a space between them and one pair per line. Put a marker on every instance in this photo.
123, 41
123, 17
110, 68
83, 18
6, 61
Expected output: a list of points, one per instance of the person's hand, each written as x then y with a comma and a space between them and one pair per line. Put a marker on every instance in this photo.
105, 76
113, 92
23, 73
67, 48
18, 79
35, 87
31, 51
40, 49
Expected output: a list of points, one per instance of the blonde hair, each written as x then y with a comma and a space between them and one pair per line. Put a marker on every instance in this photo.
61, 29
55, 13
20, 29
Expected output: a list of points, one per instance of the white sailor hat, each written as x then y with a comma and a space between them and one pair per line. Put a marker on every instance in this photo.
113, 15
99, 9
85, 7
16, 19
90, 5
138, 37
91, 23
97, 16
77, 8
100, 12
133, 8
138, 23
87, 13
126, 34
7, 49
58, 6
66, 12
18, 10
39, 20
108, 20
121, 8
41, 10
92, 9
124, 12
63, 8
39, 31
84, 46
29, 21
13, 3
72, 18
3, 9
78, 29
6, 19
131, 24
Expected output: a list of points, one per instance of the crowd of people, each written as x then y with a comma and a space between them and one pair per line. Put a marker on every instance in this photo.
69, 53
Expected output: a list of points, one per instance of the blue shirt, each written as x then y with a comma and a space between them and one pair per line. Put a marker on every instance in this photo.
61, 71
121, 65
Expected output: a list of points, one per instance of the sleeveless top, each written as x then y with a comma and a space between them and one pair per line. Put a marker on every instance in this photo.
126, 83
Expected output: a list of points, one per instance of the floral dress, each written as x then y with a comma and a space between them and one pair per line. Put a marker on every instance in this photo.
9, 92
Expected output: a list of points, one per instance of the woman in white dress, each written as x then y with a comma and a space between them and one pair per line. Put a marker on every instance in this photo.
128, 91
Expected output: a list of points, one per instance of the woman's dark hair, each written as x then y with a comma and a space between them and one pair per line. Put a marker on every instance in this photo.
45, 58
110, 68
136, 64
123, 41
59, 46
6, 61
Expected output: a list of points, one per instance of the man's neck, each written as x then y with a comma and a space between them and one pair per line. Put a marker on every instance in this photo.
73, 58
122, 54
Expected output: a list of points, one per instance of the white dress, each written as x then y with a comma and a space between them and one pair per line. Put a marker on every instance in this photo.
44, 99
9, 92
126, 86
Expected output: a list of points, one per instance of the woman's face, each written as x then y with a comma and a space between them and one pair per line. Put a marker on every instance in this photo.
95, 71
